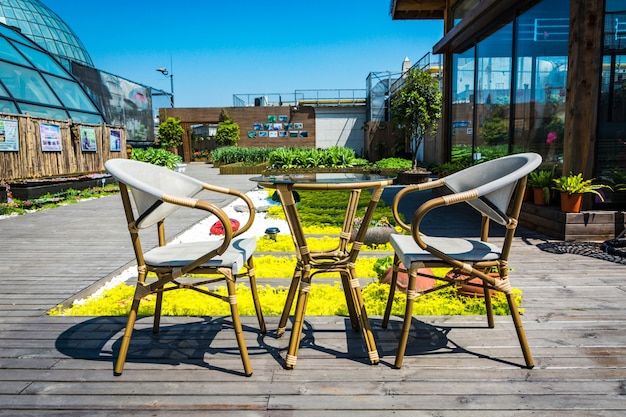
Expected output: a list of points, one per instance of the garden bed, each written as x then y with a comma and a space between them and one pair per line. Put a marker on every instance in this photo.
35, 188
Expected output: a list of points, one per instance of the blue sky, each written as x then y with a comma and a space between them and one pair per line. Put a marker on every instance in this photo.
221, 48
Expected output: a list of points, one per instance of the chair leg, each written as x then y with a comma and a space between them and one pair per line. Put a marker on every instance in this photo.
408, 317
157, 312
348, 293
298, 321
361, 312
234, 312
392, 291
488, 306
295, 281
128, 332
521, 335
255, 296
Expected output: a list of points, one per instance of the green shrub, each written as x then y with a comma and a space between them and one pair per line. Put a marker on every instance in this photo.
312, 158
156, 156
170, 133
399, 163
234, 154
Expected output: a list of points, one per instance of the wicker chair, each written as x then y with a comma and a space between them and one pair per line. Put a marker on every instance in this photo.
157, 193
495, 189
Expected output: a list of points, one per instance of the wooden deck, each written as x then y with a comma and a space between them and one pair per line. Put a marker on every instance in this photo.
575, 320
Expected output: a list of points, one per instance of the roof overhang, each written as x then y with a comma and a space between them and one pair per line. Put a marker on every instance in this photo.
417, 9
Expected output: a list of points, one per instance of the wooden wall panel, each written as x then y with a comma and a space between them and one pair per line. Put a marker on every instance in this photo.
30, 161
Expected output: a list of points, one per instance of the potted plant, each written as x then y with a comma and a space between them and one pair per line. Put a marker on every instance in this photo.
170, 134
572, 187
541, 182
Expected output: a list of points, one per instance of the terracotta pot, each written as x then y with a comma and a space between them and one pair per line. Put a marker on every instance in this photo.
422, 283
538, 198
470, 290
571, 203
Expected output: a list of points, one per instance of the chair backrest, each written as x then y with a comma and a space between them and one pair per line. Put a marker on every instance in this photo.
495, 182
148, 184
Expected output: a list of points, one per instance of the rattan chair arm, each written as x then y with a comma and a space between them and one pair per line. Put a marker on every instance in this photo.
407, 190
240, 195
432, 204
206, 206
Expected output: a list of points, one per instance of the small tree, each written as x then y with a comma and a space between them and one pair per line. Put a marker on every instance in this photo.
227, 130
171, 133
416, 108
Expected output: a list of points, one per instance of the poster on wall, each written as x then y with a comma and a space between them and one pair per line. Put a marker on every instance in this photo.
115, 138
50, 137
88, 139
9, 140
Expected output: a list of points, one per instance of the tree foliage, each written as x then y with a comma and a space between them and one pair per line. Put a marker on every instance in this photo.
416, 108
170, 133
227, 130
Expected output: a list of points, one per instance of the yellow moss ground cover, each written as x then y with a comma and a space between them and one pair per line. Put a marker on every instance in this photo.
319, 217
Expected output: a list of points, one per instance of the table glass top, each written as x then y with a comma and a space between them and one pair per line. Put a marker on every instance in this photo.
321, 178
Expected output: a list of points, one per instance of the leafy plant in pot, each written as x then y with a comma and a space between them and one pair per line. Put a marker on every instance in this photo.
541, 182
572, 187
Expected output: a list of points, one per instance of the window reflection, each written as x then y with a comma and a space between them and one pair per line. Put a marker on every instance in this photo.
26, 84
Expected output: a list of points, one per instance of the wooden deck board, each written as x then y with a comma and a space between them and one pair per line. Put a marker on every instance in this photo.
575, 321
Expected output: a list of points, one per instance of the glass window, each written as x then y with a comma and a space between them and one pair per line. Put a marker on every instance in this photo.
9, 53
42, 60
70, 93
462, 8
26, 84
7, 106
540, 79
493, 93
44, 112
79, 117
463, 104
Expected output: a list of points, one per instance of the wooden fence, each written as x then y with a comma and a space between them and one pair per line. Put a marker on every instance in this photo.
48, 148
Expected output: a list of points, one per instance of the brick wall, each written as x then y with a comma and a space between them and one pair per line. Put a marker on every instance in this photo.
270, 122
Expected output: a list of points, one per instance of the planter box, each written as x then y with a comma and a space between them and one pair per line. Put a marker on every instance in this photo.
597, 225
28, 190
241, 169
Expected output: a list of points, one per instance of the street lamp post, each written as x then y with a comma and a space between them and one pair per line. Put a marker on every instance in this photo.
166, 73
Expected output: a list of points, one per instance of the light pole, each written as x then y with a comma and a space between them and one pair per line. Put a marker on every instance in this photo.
165, 73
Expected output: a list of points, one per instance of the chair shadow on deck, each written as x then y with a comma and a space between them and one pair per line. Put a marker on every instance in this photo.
426, 340
190, 343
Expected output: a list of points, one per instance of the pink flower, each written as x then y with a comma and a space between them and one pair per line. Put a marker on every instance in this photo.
551, 138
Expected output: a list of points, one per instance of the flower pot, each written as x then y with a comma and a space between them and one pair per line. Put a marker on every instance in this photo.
571, 203
471, 290
538, 197
402, 283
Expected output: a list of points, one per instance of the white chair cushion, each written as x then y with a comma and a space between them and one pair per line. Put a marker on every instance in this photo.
178, 255
472, 250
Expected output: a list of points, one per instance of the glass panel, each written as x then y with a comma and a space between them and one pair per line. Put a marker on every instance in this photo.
70, 94
9, 53
42, 61
26, 84
462, 105
540, 80
7, 106
462, 8
44, 112
85, 117
493, 94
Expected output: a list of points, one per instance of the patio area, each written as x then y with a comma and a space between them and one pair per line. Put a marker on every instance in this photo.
574, 317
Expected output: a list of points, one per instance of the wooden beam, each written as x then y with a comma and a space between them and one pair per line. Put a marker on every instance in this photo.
583, 85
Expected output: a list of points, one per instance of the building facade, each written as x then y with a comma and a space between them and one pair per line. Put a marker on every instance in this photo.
547, 76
